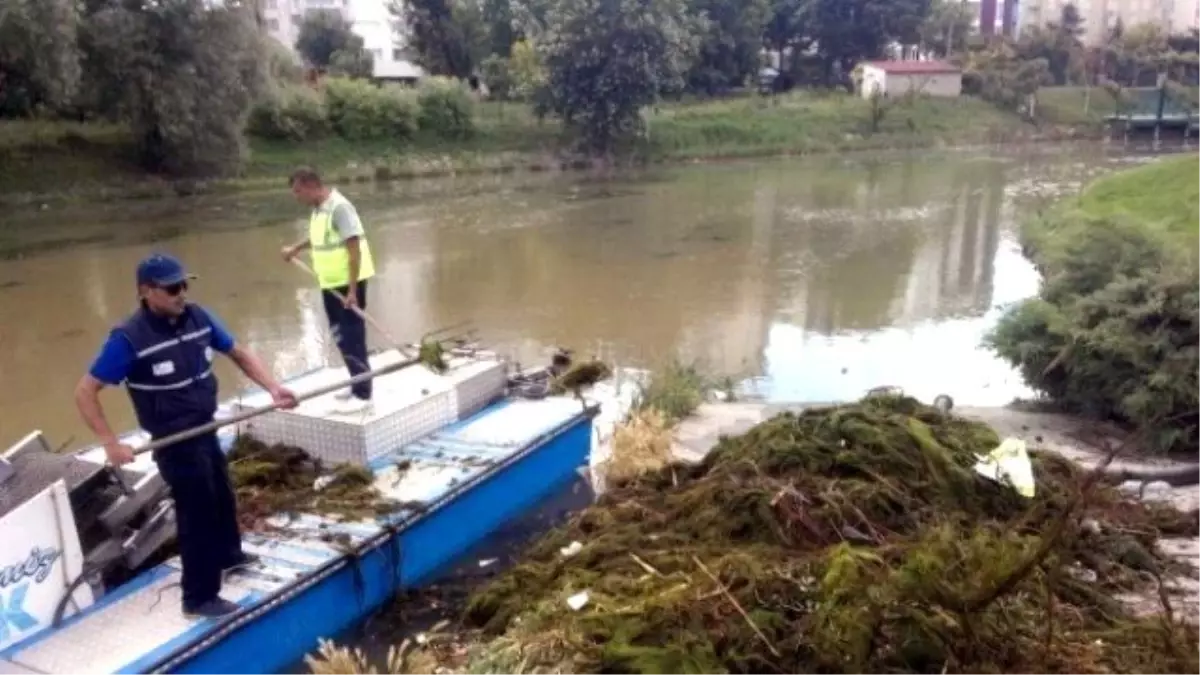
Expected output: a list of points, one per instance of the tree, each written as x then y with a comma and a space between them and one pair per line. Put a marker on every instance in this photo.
498, 19
730, 43
784, 35
39, 55
1002, 75
449, 36
849, 31
1059, 43
783, 28
526, 69
328, 42
607, 59
1136, 55
185, 74
945, 30
1070, 22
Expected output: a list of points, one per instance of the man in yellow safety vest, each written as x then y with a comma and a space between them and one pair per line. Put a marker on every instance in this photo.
341, 258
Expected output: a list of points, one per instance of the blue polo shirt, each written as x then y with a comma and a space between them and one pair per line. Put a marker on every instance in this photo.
116, 356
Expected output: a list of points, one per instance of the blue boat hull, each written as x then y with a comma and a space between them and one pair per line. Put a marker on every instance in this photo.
275, 631
278, 632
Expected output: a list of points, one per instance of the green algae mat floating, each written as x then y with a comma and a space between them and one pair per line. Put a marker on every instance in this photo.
855, 538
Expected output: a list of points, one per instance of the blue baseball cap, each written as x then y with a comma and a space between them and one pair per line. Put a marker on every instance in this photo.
160, 269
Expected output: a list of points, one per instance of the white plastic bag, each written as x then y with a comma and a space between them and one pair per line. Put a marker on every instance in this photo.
1009, 463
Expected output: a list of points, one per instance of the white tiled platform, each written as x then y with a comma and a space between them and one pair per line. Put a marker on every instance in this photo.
408, 405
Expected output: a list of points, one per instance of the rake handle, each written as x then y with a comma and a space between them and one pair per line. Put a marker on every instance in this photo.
362, 313
189, 434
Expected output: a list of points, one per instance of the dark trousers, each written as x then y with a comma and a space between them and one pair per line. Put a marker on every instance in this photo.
350, 333
205, 514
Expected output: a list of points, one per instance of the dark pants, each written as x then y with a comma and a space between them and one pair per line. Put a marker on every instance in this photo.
205, 514
350, 333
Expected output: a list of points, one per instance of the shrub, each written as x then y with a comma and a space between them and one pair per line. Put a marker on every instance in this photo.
528, 73
291, 113
282, 63
447, 109
498, 77
359, 110
1114, 333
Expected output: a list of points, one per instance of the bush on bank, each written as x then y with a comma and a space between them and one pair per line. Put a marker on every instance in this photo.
356, 110
1113, 333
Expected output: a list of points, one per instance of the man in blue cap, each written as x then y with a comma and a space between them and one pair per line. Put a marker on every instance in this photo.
163, 353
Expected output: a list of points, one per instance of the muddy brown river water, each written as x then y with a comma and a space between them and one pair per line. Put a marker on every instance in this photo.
811, 279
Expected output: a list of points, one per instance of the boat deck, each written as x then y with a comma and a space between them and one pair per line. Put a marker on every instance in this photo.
136, 626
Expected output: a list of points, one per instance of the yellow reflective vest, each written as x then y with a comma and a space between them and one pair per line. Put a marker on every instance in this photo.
330, 257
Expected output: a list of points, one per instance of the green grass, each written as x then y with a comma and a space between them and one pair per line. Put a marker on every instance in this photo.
1164, 195
40, 156
48, 158
1088, 106
808, 122
1075, 105
1157, 204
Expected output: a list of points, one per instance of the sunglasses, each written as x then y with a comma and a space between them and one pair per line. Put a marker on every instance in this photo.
175, 288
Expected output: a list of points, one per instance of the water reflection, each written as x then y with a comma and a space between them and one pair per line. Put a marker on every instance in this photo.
788, 271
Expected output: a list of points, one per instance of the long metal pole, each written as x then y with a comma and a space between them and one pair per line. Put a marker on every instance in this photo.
357, 310
255, 412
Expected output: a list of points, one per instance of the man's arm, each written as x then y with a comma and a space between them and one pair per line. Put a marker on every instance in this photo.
296, 249
253, 367
247, 362
355, 260
87, 400
110, 367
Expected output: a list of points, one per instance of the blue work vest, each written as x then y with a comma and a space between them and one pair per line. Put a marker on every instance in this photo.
171, 382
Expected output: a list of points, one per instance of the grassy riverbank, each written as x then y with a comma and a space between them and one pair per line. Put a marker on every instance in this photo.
1164, 196
1113, 333
54, 160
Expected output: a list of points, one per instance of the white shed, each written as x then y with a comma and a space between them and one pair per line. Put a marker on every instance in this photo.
896, 78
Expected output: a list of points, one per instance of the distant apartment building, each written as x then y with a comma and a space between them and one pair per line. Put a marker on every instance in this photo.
282, 18
1099, 16
370, 19
992, 17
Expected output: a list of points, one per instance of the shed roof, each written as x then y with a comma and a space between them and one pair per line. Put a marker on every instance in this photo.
914, 67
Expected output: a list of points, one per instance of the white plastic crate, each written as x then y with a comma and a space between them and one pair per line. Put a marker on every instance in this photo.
408, 405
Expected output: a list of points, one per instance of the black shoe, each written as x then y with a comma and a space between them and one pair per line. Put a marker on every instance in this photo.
212, 609
243, 560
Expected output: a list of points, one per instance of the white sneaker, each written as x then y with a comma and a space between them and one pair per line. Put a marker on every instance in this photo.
353, 406
344, 395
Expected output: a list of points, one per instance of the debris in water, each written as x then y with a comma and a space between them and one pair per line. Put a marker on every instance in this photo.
275, 479
743, 564
571, 549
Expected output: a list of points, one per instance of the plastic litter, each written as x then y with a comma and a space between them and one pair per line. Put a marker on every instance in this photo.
1009, 462
577, 601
